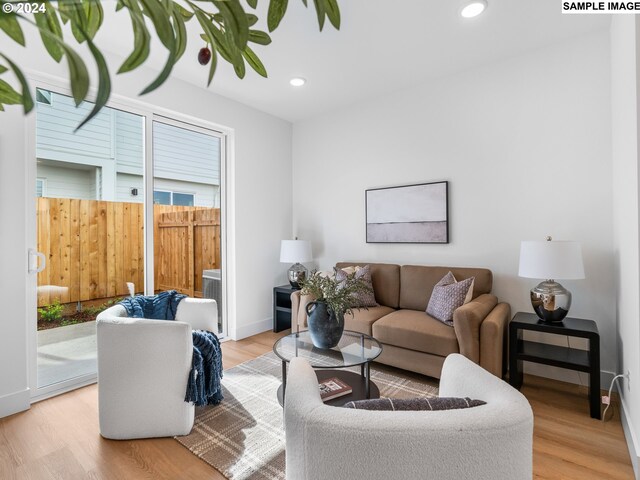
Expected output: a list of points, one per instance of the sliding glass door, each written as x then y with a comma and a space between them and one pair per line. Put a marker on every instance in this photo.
89, 227
187, 225
129, 204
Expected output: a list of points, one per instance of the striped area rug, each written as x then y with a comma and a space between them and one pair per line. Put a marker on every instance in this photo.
243, 437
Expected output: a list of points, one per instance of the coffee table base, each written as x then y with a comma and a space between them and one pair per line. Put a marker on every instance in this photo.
355, 381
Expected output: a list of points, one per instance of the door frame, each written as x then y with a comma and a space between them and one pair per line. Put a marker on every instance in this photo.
227, 214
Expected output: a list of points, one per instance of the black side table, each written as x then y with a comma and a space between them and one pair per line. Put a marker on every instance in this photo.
282, 307
574, 359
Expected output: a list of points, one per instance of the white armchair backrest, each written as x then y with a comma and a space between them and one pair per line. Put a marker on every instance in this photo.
200, 313
492, 441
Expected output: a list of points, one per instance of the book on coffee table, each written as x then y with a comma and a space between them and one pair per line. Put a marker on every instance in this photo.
333, 388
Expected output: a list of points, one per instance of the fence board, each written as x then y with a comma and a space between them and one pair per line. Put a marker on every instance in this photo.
94, 248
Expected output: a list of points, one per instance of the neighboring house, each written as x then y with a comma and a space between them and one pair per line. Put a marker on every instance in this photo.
104, 159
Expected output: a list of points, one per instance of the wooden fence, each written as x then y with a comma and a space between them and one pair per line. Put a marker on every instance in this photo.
94, 248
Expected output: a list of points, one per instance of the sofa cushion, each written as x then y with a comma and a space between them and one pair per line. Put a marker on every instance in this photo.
386, 281
417, 283
360, 319
415, 404
362, 298
416, 331
447, 295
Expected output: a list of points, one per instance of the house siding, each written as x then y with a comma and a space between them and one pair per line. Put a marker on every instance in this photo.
184, 160
68, 182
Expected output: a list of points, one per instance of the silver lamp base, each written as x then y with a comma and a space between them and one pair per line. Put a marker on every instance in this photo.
551, 301
296, 274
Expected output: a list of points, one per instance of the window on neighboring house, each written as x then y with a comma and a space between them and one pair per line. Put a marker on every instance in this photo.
40, 187
161, 197
43, 96
184, 199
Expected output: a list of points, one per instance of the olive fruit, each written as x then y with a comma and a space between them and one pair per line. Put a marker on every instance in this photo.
204, 55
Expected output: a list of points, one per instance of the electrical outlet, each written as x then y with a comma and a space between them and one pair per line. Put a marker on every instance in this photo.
606, 400
628, 380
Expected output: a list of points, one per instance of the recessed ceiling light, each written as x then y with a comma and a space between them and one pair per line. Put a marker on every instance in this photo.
473, 9
297, 81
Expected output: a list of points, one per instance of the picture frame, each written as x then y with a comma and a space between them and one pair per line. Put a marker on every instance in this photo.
417, 213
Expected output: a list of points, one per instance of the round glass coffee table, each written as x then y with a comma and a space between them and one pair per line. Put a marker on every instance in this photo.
354, 349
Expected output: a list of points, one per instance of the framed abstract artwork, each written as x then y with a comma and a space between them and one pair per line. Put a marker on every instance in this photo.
408, 214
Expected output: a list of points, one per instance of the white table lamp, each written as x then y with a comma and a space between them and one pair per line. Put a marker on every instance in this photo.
296, 252
551, 260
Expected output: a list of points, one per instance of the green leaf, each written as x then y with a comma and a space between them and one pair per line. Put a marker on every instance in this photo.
186, 14
27, 99
3, 69
214, 64
141, 43
204, 37
257, 36
320, 12
95, 15
235, 21
253, 60
305, 3
181, 34
333, 12
236, 57
253, 3
9, 25
164, 74
49, 21
159, 16
78, 74
252, 19
8, 95
104, 81
73, 11
277, 9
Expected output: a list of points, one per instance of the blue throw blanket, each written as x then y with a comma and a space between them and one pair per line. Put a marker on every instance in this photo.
203, 387
162, 306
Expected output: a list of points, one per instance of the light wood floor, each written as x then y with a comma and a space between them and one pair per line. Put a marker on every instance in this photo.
58, 438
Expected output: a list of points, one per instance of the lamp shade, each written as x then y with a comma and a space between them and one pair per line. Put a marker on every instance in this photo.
295, 251
553, 259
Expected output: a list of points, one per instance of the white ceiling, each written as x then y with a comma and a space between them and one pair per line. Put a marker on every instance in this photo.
382, 46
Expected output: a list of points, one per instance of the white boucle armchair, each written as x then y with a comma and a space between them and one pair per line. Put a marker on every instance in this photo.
143, 368
489, 442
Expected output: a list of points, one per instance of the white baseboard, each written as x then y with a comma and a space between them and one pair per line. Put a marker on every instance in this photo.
630, 436
15, 402
254, 328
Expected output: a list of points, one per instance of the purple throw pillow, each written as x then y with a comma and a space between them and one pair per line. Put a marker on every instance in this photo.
447, 296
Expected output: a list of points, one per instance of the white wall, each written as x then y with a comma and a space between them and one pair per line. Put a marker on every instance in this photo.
624, 106
525, 144
260, 182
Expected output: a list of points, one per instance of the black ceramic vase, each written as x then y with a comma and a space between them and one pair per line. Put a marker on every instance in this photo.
325, 328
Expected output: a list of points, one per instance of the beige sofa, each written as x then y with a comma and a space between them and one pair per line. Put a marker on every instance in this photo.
413, 340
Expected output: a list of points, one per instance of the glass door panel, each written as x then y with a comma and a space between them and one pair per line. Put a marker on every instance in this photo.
187, 223
90, 227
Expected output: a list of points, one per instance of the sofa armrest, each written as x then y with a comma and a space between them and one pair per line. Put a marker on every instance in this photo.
299, 304
493, 340
466, 323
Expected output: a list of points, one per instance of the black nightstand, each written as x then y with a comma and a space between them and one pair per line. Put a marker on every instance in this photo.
574, 359
282, 307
